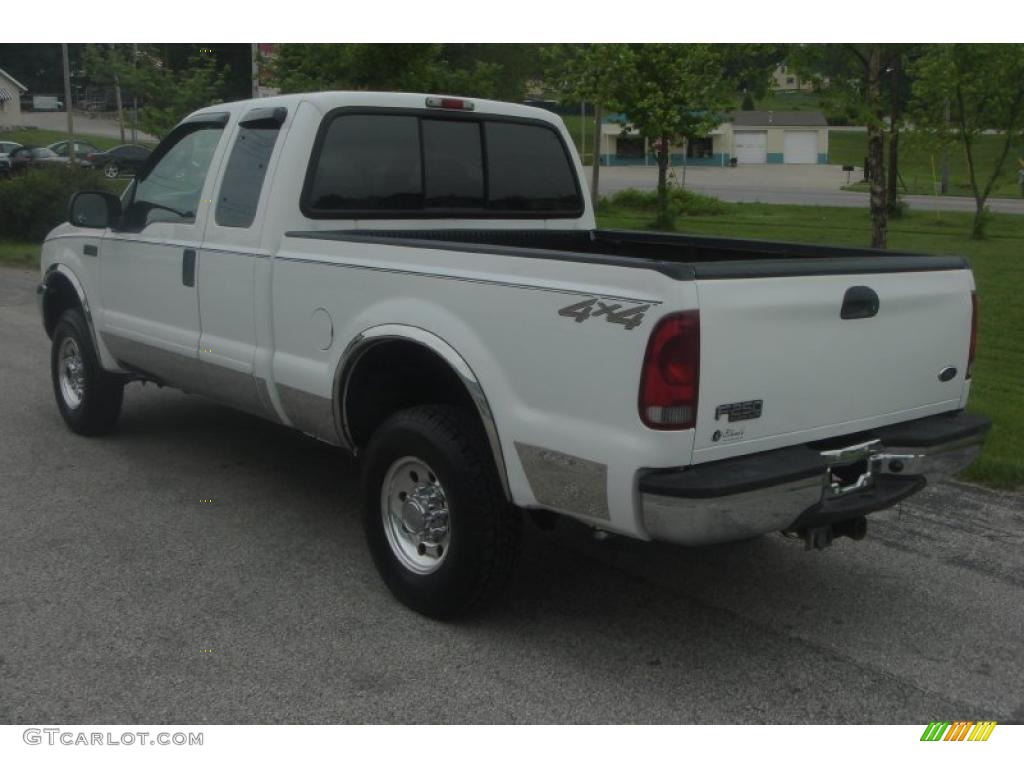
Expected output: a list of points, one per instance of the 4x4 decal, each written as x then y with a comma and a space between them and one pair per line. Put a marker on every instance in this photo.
629, 318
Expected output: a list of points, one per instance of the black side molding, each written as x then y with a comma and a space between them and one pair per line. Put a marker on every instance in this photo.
669, 269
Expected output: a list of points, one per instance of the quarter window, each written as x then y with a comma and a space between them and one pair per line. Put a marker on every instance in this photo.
246, 170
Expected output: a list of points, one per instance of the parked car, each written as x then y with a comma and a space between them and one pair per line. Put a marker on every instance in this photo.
126, 159
24, 158
5, 166
82, 148
6, 147
421, 280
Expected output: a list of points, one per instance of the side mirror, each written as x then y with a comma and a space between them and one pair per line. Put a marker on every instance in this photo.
95, 210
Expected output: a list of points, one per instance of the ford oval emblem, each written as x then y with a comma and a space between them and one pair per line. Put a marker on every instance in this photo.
947, 374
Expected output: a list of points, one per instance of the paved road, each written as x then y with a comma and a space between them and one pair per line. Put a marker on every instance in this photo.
114, 580
792, 185
86, 124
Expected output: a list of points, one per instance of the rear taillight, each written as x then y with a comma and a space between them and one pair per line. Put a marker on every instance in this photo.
90, 156
671, 372
974, 334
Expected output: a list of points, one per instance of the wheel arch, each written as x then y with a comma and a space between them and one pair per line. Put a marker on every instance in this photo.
62, 290
392, 338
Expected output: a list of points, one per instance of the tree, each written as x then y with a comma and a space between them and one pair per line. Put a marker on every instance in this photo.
590, 73
749, 67
167, 93
171, 94
413, 67
518, 64
963, 90
104, 65
857, 79
671, 92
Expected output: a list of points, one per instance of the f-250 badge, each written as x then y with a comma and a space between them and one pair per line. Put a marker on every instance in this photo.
629, 318
750, 409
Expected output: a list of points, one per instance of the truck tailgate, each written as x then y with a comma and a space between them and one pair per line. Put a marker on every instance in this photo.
782, 341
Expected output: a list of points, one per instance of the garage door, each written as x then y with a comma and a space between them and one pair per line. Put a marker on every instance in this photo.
751, 146
800, 146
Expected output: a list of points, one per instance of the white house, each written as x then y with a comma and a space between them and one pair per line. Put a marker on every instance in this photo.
10, 98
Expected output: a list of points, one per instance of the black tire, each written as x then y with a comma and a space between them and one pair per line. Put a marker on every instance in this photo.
95, 412
485, 530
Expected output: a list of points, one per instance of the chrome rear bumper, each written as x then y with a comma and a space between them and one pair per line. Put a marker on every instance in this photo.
807, 486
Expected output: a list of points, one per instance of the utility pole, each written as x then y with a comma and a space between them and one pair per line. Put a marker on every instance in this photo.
944, 169
67, 103
135, 96
583, 130
120, 105
255, 71
598, 146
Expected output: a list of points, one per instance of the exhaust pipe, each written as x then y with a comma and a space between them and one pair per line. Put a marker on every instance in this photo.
821, 537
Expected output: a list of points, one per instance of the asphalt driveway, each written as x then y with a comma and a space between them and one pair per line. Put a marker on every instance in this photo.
125, 597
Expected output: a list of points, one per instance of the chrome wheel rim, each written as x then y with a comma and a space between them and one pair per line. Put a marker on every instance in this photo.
71, 373
111, 171
414, 510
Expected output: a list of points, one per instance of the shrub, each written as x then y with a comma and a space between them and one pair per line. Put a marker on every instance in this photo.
34, 202
682, 202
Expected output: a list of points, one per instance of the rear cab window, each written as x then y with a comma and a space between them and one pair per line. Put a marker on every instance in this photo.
421, 164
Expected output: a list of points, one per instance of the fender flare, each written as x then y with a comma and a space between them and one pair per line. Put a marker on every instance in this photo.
382, 333
66, 272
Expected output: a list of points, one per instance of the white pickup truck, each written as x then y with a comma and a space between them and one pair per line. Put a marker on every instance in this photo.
420, 280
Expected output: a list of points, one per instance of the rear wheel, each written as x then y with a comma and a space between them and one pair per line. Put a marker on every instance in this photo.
88, 397
440, 530
111, 170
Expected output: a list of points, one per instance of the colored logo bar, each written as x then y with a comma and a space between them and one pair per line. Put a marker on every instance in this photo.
959, 730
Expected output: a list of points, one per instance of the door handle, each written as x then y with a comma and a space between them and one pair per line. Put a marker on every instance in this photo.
188, 268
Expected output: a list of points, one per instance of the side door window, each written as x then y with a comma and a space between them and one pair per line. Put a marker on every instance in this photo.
171, 189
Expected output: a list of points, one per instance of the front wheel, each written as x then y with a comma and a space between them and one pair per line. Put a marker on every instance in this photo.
440, 530
89, 398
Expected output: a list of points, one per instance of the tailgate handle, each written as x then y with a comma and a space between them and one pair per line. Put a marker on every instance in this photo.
859, 301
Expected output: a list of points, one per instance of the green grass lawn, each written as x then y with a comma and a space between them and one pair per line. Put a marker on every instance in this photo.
15, 254
997, 390
998, 387
916, 158
41, 138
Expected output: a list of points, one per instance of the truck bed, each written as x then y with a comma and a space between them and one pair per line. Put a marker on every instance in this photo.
681, 257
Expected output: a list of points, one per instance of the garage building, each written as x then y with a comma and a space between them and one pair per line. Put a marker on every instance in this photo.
752, 138
793, 138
